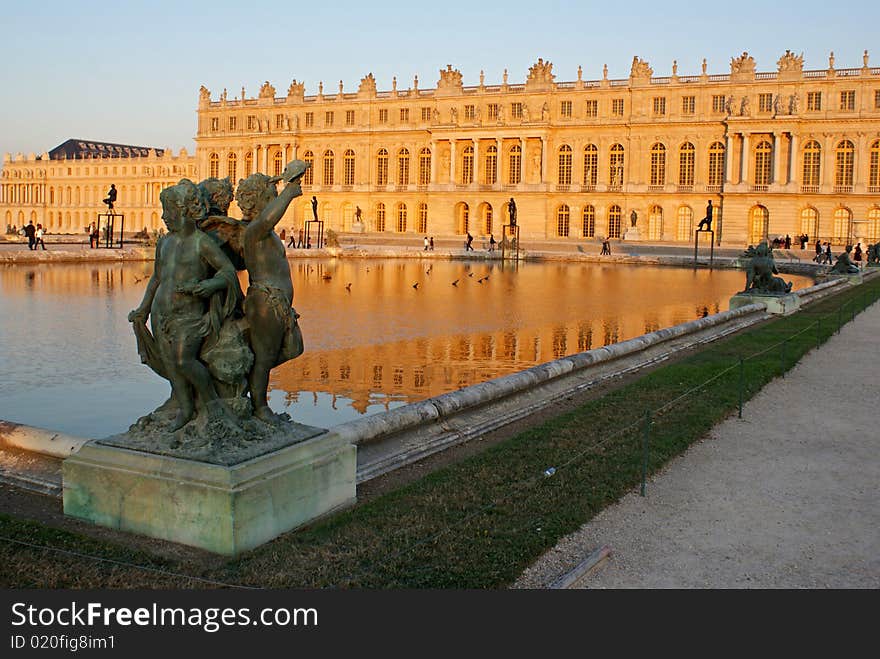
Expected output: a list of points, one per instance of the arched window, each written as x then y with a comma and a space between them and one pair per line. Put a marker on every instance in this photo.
564, 175
380, 216
329, 162
759, 224
716, 164
686, 158
563, 221
655, 223
684, 225
213, 165
231, 167
277, 163
614, 215
658, 165
615, 165
591, 165
401, 218
810, 222
490, 173
348, 167
588, 226
842, 232
423, 217
403, 167
382, 167
874, 167
514, 169
463, 212
51, 197
309, 176
812, 166
249, 168
424, 168
843, 172
763, 163
467, 165
487, 219
873, 228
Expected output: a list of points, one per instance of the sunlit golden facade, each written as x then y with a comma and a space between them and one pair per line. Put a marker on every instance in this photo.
789, 151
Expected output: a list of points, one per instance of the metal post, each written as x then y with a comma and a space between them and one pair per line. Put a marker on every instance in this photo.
742, 377
645, 431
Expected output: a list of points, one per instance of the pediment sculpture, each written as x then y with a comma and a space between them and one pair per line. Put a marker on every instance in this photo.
449, 78
367, 84
296, 88
540, 73
790, 62
267, 90
640, 68
745, 63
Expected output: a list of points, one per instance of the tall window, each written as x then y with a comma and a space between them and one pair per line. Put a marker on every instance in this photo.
249, 165
426, 114
765, 102
233, 122
874, 168
470, 111
763, 163
213, 165
382, 167
231, 166
348, 167
423, 218
565, 108
252, 122
686, 156
759, 224
380, 216
688, 104
655, 223
277, 163
592, 109
812, 164
588, 226
401, 218
329, 161
467, 165
716, 164
424, 167
349, 117
514, 169
309, 176
279, 121
810, 222
848, 100
565, 165
718, 103
310, 119
684, 226
591, 165
563, 220
843, 172
403, 167
615, 165
490, 174
842, 226
404, 115
814, 101
659, 106
487, 219
328, 119
614, 215
383, 116
658, 165
872, 233
516, 110
617, 107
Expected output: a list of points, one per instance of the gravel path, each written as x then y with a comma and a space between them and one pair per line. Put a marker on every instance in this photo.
787, 497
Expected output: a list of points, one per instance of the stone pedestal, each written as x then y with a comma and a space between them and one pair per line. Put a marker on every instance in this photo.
223, 509
357, 227
632, 235
784, 304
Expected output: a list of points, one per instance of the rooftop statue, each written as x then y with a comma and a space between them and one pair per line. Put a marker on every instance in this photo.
760, 272
742, 64
450, 78
367, 84
791, 62
844, 265
267, 90
640, 68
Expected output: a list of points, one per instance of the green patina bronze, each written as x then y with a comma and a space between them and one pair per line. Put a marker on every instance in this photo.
761, 270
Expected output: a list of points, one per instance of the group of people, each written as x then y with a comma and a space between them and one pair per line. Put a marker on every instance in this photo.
297, 240
34, 234
429, 244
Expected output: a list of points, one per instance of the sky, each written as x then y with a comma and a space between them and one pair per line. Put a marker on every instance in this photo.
130, 72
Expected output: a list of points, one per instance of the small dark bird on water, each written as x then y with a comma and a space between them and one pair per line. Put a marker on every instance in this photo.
482, 279
416, 285
140, 279
348, 287
455, 283
470, 274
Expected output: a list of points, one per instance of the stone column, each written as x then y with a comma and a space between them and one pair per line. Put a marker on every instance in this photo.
452, 157
265, 158
744, 163
792, 158
499, 161
543, 160
476, 160
777, 160
728, 160
256, 159
433, 161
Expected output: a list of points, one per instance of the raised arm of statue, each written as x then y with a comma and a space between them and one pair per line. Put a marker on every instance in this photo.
273, 212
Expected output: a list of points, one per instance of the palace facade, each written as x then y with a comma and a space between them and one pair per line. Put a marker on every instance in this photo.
789, 151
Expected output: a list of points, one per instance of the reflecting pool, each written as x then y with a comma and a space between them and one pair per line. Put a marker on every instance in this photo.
404, 330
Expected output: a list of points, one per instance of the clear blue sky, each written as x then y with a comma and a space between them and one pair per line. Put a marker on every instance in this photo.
130, 72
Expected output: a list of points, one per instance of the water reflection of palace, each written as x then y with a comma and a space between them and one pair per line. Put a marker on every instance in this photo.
408, 371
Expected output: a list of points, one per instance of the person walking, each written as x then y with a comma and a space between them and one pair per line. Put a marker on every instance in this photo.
467, 245
300, 243
426, 243
828, 259
93, 235
491, 242
431, 244
818, 257
31, 232
38, 236
857, 255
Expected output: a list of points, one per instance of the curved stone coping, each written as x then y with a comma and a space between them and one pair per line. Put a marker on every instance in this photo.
446, 405
817, 291
39, 440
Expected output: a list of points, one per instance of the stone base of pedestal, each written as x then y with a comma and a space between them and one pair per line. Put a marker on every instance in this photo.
776, 304
223, 509
632, 235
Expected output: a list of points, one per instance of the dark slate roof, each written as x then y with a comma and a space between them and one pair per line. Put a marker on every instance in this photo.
90, 149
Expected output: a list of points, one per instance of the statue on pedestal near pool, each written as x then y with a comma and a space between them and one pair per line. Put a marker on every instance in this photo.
761, 271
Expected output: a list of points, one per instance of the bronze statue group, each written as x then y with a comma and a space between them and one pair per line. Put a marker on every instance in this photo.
214, 344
